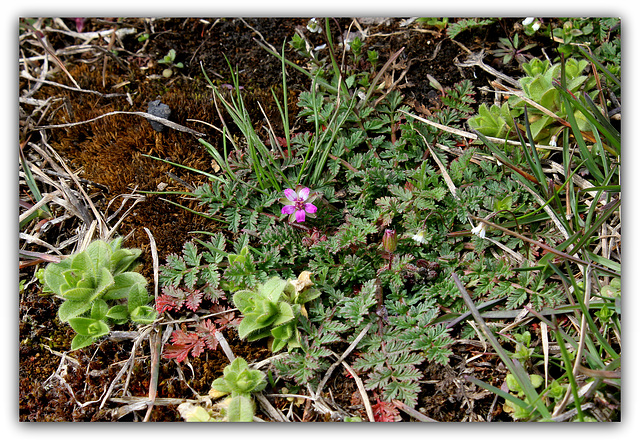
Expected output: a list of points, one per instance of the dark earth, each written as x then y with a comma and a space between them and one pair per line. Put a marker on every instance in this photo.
109, 153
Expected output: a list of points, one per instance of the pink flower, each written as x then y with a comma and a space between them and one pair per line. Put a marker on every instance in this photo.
298, 203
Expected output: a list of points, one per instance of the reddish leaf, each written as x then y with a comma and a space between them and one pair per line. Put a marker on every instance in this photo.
171, 299
385, 411
207, 330
164, 303
193, 300
183, 343
198, 347
229, 318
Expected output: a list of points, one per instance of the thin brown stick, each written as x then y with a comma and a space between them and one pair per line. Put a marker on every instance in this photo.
412, 412
164, 121
361, 389
546, 247
341, 359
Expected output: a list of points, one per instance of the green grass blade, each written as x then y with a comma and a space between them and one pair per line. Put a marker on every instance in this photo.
201, 214
614, 138
512, 398
197, 171
531, 154
513, 365
600, 66
223, 163
31, 183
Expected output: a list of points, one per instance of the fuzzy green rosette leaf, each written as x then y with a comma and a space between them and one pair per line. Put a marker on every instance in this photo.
537, 86
238, 379
240, 382
271, 310
90, 281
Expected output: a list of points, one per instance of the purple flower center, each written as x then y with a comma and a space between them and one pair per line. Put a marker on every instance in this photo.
299, 203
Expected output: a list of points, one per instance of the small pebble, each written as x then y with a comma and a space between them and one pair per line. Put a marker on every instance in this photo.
158, 109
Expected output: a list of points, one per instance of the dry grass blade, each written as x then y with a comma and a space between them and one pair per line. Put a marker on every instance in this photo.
544, 332
76, 205
225, 346
361, 390
46, 198
128, 366
321, 406
155, 339
35, 240
28, 76
267, 407
413, 413
341, 359
476, 59
164, 121
465, 134
547, 247
155, 345
137, 198
156, 262
42, 40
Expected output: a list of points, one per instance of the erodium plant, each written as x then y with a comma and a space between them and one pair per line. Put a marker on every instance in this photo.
393, 196
94, 284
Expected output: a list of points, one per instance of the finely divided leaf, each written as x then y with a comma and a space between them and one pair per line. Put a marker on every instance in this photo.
190, 253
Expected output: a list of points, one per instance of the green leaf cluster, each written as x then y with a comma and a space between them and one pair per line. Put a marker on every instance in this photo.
92, 284
271, 311
516, 410
537, 85
169, 60
239, 381
601, 34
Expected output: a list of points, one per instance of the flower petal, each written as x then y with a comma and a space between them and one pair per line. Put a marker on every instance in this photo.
303, 193
290, 194
289, 209
311, 209
300, 216
479, 230
419, 237
311, 197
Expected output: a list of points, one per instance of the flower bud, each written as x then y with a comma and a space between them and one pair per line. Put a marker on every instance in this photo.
390, 240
